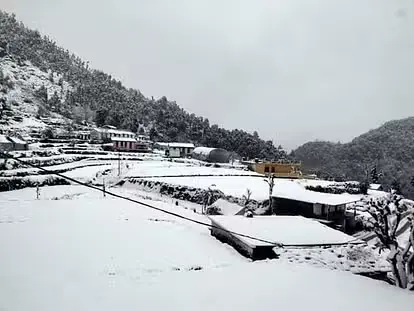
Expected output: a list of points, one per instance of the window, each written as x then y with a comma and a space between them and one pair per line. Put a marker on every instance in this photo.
273, 169
266, 169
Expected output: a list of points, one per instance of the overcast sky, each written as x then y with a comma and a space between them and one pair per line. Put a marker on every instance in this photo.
292, 70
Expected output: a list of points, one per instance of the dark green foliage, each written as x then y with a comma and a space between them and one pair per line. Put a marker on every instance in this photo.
153, 134
363, 187
21, 182
396, 186
116, 105
54, 103
374, 175
48, 133
390, 149
42, 112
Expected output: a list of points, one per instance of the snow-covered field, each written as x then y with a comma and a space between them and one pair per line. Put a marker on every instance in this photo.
75, 250
183, 174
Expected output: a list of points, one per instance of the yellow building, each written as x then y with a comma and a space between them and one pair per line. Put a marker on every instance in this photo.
281, 170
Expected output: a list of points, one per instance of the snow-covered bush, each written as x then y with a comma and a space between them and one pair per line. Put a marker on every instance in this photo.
351, 188
14, 183
386, 215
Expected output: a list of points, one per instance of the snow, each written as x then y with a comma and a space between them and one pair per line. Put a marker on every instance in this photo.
4, 140
28, 78
375, 186
288, 230
203, 150
17, 140
227, 208
114, 131
31, 123
353, 258
123, 139
176, 145
236, 186
295, 191
84, 252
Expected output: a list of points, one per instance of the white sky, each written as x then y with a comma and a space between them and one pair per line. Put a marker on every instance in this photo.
292, 70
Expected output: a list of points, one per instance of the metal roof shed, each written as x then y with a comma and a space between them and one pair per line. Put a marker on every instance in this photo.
213, 155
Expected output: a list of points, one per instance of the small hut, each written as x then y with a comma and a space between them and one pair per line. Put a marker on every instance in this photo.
5, 144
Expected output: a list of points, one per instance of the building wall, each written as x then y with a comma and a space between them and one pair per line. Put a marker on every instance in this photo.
293, 208
6, 146
336, 214
96, 135
20, 146
108, 134
173, 152
184, 152
289, 170
125, 145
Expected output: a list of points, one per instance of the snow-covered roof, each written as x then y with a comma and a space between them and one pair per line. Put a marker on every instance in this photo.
109, 127
375, 186
288, 230
295, 191
176, 145
4, 140
114, 131
203, 150
17, 140
123, 139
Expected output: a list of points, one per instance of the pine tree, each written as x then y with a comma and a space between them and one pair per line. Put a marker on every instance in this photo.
374, 175
55, 103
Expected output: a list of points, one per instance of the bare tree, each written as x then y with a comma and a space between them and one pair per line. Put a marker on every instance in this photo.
271, 182
387, 214
246, 197
208, 198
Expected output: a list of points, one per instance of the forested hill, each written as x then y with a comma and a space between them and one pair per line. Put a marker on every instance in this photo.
388, 149
109, 102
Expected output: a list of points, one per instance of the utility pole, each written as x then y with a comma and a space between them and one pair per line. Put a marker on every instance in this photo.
119, 163
271, 182
103, 186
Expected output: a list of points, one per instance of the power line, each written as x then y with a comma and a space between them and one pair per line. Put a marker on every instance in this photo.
4, 155
196, 175
141, 203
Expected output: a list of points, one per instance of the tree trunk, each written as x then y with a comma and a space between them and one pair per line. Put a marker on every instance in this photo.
397, 266
410, 260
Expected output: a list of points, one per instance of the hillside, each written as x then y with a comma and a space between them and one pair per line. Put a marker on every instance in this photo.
92, 95
389, 148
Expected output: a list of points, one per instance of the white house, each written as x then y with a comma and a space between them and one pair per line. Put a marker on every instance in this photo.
9, 143
175, 150
107, 132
